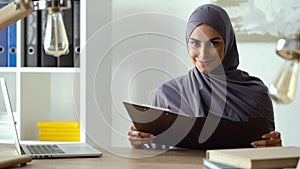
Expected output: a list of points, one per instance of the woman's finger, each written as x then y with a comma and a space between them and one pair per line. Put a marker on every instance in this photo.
132, 127
272, 134
139, 134
266, 143
133, 138
260, 143
138, 142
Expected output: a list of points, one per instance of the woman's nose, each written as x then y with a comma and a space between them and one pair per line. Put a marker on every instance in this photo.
203, 52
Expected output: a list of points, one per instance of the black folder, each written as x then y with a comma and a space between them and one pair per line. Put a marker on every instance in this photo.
204, 133
76, 32
32, 40
67, 60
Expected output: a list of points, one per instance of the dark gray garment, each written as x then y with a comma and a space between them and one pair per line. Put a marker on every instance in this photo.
226, 91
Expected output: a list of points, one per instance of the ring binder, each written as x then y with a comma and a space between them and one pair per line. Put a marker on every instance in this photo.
11, 44
3, 44
67, 60
76, 32
31, 40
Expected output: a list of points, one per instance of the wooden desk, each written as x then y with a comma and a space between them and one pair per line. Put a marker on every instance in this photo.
171, 159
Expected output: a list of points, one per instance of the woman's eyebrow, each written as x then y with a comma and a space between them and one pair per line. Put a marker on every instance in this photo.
213, 39
216, 38
194, 39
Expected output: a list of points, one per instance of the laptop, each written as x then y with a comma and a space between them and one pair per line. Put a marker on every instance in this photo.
204, 133
41, 150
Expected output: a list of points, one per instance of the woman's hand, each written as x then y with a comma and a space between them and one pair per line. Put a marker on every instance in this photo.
137, 138
270, 139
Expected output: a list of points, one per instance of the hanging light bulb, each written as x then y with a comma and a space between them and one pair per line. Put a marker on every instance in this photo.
56, 41
283, 90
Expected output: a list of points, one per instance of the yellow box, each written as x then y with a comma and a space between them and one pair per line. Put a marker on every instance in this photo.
60, 138
58, 124
59, 130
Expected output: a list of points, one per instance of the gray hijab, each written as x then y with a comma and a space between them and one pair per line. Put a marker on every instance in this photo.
226, 91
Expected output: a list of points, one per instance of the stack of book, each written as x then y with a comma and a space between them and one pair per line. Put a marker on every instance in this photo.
213, 165
59, 131
266, 157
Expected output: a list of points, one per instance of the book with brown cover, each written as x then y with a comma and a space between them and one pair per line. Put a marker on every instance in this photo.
266, 157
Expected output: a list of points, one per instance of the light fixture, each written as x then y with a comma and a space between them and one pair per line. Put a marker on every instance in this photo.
56, 41
283, 90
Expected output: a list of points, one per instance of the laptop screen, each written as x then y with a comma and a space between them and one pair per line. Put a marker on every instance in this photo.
9, 111
70, 150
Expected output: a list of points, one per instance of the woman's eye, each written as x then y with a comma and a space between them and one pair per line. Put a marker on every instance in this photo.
195, 44
214, 43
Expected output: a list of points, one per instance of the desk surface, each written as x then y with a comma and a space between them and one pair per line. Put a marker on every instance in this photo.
171, 159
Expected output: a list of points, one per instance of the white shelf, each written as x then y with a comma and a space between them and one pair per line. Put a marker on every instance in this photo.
40, 70
49, 70
8, 69
45, 93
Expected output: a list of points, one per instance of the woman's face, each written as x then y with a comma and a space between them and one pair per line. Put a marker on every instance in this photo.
206, 48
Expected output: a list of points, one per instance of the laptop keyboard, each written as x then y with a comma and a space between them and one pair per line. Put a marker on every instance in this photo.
44, 149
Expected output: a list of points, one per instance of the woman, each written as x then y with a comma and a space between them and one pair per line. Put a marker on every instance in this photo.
214, 85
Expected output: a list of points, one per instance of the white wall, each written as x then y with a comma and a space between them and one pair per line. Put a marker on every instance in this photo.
139, 58
98, 101
260, 60
144, 61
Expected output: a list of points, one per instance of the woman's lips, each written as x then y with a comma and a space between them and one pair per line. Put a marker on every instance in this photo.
204, 62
